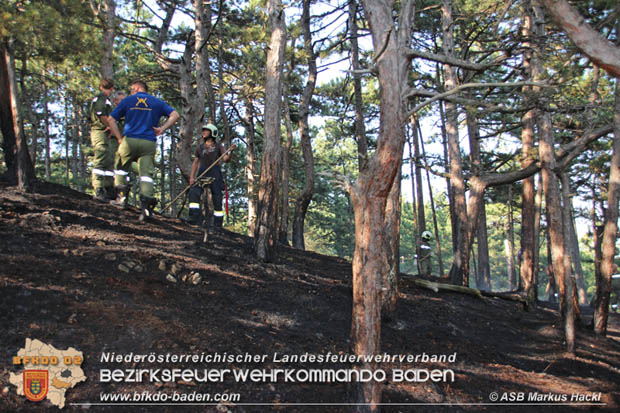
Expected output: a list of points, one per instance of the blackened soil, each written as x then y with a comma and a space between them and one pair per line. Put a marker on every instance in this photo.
77, 273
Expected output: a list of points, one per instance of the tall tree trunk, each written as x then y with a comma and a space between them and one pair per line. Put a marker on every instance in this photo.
48, 143
7, 126
573, 245
250, 163
25, 169
459, 273
371, 259
204, 87
528, 191
172, 165
189, 118
570, 237
510, 253
284, 208
483, 272
552, 191
392, 240
223, 88
537, 215
202, 21
554, 212
414, 213
67, 140
446, 162
433, 210
109, 29
266, 233
302, 203
610, 231
569, 281
74, 143
424, 256
360, 129
597, 247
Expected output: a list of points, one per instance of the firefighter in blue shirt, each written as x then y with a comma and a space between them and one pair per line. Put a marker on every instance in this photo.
138, 142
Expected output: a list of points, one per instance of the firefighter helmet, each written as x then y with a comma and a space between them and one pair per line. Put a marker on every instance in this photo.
212, 128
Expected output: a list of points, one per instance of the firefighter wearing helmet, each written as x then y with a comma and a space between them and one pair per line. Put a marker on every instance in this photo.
207, 152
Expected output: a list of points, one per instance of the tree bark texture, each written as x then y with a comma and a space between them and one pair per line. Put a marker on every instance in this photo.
528, 158
109, 31
371, 260
360, 128
424, 256
266, 233
9, 141
250, 163
25, 169
459, 273
302, 203
601, 311
483, 272
286, 152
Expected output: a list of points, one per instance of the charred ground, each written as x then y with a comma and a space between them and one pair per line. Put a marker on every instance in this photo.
77, 273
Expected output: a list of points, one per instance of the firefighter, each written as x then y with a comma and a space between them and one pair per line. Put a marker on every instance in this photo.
142, 113
425, 247
207, 152
104, 145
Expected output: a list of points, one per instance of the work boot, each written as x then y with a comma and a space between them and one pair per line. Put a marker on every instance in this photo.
146, 207
194, 216
217, 223
100, 195
122, 193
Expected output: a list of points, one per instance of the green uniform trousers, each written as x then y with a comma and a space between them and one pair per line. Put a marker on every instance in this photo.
104, 149
141, 151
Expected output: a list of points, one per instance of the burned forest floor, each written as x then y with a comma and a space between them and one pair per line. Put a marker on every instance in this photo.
82, 274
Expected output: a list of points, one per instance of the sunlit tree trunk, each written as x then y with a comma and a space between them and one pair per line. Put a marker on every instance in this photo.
360, 128
250, 163
483, 273
109, 29
603, 288
433, 210
370, 193
302, 203
25, 169
424, 256
9, 141
528, 191
266, 233
459, 273
284, 207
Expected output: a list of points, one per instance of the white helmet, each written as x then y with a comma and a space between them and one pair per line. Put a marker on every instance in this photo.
212, 128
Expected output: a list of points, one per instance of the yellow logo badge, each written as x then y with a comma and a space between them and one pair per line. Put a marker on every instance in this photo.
36, 384
142, 100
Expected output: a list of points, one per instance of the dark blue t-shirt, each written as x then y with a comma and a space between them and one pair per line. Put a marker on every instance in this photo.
142, 112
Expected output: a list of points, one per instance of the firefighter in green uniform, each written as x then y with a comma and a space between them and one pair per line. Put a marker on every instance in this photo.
104, 145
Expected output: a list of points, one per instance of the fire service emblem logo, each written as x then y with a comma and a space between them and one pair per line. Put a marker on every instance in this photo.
36, 384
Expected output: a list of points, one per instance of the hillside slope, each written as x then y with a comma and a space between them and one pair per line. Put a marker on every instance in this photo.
77, 273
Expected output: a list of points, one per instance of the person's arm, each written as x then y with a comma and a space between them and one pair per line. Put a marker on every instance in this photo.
174, 116
192, 175
228, 155
114, 129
